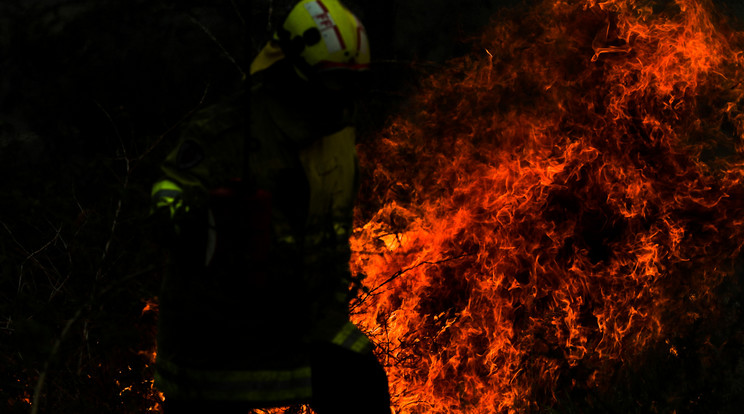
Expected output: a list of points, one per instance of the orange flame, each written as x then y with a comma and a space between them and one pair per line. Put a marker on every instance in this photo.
147, 386
549, 205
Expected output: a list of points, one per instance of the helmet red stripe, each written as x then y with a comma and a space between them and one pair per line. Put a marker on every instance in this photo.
340, 38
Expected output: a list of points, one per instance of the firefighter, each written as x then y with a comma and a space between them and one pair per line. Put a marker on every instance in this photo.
259, 195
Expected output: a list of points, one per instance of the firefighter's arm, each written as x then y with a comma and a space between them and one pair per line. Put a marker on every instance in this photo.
182, 186
208, 155
179, 196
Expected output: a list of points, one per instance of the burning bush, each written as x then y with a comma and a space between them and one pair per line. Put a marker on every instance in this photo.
560, 208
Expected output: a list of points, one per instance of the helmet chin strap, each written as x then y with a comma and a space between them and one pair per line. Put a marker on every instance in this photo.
293, 47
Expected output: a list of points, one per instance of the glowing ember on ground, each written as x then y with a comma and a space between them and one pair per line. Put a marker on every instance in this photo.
555, 204
151, 394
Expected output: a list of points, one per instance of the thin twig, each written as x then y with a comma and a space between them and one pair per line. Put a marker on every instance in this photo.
29, 255
8, 324
95, 292
42, 377
57, 286
94, 297
222, 48
176, 125
237, 11
268, 19
399, 273
117, 213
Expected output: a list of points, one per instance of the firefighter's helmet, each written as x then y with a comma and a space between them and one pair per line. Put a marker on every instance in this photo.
324, 36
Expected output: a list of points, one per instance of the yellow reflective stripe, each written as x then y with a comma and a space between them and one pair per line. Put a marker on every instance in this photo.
341, 229
350, 337
361, 345
343, 334
234, 375
286, 240
235, 392
342, 297
263, 385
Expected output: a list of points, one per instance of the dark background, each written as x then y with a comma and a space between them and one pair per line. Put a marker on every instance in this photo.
90, 94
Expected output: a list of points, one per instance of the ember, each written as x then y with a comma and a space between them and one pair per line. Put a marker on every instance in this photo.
556, 204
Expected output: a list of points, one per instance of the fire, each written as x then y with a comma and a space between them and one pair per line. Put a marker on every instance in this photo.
563, 199
147, 386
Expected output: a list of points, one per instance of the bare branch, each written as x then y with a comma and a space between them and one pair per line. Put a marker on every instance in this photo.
237, 11
268, 20
176, 125
222, 48
399, 273
117, 213
30, 255
55, 348
85, 308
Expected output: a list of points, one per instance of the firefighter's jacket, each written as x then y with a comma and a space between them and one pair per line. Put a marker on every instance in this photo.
260, 192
